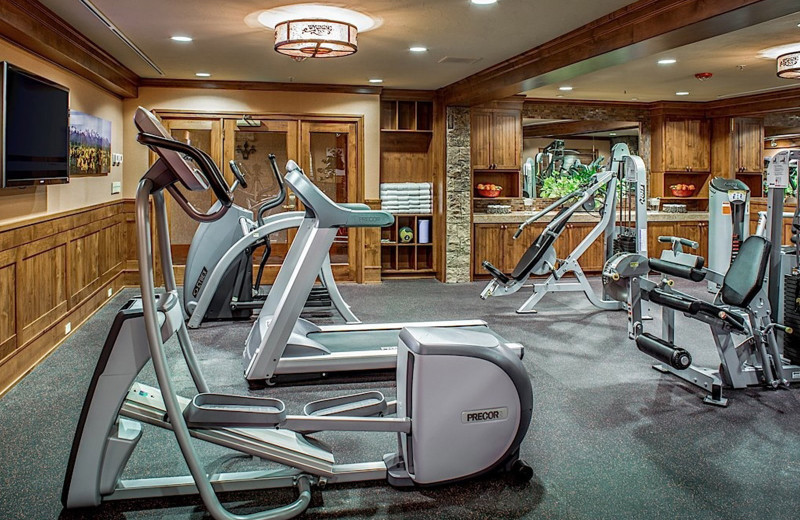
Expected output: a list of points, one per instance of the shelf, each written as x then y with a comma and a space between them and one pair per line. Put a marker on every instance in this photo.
406, 131
760, 174
683, 198
408, 271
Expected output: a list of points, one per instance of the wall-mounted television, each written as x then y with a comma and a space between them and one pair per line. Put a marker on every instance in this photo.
34, 136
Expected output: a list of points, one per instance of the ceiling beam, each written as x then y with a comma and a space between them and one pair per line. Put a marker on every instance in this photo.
638, 30
37, 29
259, 85
574, 127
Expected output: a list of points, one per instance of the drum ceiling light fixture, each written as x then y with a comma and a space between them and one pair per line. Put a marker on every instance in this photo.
303, 39
789, 65
314, 30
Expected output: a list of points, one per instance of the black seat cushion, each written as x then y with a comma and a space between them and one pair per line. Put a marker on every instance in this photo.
746, 274
539, 247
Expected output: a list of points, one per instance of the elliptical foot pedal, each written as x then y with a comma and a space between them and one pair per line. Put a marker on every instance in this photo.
233, 411
364, 404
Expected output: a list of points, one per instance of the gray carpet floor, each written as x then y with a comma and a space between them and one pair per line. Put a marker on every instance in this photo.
610, 437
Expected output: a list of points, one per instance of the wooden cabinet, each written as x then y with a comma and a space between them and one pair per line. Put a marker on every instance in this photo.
749, 145
494, 242
496, 141
681, 154
409, 257
687, 145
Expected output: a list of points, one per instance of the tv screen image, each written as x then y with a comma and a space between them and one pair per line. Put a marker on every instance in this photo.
35, 129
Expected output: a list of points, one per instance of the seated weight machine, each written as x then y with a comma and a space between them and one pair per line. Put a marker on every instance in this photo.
742, 323
623, 223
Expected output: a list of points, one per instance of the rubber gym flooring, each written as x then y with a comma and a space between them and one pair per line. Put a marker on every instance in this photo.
610, 437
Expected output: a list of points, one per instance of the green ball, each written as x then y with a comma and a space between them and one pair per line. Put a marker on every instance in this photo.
406, 235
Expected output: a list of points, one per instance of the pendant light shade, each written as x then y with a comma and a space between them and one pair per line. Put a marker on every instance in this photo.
789, 65
302, 39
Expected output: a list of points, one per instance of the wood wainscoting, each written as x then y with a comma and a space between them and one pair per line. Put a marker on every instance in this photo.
56, 270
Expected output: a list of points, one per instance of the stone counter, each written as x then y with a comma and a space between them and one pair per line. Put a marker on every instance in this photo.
517, 217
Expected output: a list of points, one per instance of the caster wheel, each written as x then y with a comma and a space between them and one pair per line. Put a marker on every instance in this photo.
521, 471
258, 385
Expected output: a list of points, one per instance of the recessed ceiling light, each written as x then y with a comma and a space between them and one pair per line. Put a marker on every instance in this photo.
682, 93
181, 38
418, 49
559, 95
634, 99
203, 74
376, 80
667, 61
483, 2
612, 134
565, 88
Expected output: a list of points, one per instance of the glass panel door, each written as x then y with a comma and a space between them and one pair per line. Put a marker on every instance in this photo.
329, 156
251, 146
207, 136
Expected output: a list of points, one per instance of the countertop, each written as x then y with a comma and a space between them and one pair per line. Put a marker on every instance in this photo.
517, 217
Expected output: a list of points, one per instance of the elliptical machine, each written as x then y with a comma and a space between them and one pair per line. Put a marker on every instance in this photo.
459, 431
218, 278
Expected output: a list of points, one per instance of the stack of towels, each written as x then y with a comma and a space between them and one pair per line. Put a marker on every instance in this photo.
407, 197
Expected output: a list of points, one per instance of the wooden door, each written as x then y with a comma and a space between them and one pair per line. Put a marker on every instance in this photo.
506, 139
207, 136
489, 244
749, 145
251, 146
329, 155
481, 139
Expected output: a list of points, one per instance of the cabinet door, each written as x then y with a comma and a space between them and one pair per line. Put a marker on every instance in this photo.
749, 145
697, 231
675, 143
489, 244
594, 257
506, 136
687, 145
514, 249
698, 140
655, 230
481, 140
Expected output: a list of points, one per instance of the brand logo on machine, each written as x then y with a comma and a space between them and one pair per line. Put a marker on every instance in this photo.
200, 280
491, 414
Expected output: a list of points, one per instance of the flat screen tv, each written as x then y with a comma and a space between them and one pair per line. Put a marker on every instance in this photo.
34, 137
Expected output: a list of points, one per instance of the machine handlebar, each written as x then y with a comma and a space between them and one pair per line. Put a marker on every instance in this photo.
208, 170
279, 198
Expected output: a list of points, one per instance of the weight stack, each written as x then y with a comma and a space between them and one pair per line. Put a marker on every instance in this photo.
624, 244
791, 317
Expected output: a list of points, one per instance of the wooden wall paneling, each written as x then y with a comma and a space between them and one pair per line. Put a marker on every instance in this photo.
57, 270
41, 286
8, 311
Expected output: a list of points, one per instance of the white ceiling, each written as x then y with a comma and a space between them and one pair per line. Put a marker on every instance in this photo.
644, 80
230, 49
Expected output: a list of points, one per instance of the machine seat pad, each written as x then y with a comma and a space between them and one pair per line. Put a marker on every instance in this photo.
540, 246
746, 274
683, 271
496, 273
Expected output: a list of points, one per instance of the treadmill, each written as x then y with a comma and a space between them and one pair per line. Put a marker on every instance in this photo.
281, 343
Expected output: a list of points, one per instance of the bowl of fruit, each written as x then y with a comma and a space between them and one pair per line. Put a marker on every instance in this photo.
682, 190
489, 190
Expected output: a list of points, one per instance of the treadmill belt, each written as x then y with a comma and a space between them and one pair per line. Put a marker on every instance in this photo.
374, 339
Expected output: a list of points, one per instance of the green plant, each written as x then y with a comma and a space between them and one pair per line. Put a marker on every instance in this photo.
557, 186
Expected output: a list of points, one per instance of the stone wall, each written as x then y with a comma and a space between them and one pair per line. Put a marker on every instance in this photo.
458, 223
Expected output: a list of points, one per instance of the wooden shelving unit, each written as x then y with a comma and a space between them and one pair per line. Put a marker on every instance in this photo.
406, 258
406, 136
